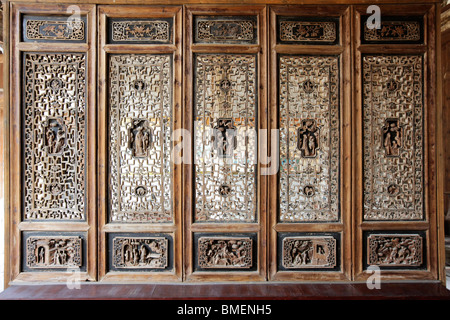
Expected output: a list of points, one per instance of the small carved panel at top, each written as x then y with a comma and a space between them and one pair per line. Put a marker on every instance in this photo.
140, 31
395, 249
393, 137
225, 29
53, 252
394, 30
50, 29
309, 252
299, 31
232, 252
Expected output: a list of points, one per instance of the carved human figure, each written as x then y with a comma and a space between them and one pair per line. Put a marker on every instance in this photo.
142, 254
308, 138
139, 138
392, 137
224, 137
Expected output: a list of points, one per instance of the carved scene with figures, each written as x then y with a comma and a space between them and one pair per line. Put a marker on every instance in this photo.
196, 142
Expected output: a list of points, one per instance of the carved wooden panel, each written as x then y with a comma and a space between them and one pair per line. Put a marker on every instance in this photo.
53, 251
225, 137
225, 29
139, 252
301, 30
309, 252
395, 250
54, 136
140, 133
393, 137
54, 29
309, 138
394, 30
225, 252
136, 31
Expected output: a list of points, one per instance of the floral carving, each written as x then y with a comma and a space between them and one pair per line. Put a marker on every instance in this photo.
62, 29
307, 31
149, 30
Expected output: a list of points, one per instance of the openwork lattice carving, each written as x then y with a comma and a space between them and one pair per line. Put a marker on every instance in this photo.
54, 136
140, 252
309, 252
307, 31
309, 138
55, 29
398, 31
145, 30
233, 252
225, 138
230, 29
395, 249
393, 137
53, 252
140, 133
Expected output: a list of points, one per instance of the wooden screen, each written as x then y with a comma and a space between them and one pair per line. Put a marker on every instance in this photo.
216, 143
225, 215
140, 99
310, 101
53, 145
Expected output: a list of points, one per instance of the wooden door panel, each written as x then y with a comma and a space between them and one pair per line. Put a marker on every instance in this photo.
140, 219
53, 116
225, 94
395, 200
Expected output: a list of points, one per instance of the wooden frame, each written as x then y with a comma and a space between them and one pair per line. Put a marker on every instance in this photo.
343, 225
105, 226
429, 225
6, 148
89, 225
192, 227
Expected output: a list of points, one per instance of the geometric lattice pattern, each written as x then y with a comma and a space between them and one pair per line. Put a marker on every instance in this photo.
54, 122
393, 137
309, 138
140, 133
225, 137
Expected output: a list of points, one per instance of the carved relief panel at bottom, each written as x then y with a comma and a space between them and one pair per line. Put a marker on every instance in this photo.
131, 252
309, 251
225, 252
